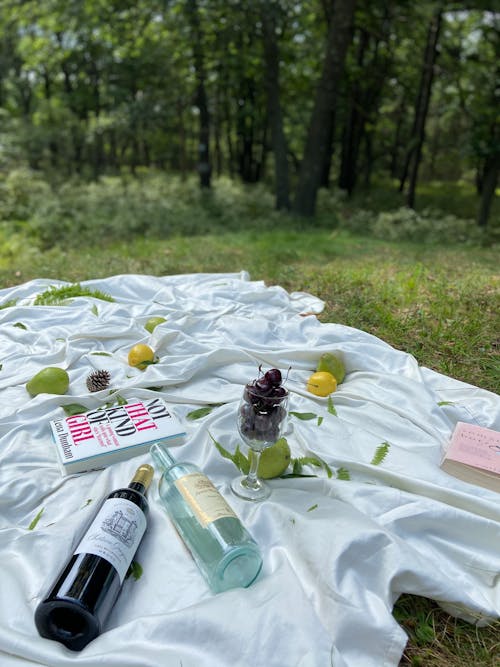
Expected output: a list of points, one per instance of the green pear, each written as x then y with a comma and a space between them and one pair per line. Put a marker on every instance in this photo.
274, 460
50, 380
332, 364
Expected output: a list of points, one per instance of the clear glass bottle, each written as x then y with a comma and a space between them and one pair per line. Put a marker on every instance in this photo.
226, 554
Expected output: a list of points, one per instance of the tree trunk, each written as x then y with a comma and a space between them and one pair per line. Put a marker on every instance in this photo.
53, 146
246, 131
353, 129
414, 154
489, 183
204, 166
395, 151
278, 139
320, 126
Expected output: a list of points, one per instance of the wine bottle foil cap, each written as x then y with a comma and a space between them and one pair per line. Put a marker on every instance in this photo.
144, 474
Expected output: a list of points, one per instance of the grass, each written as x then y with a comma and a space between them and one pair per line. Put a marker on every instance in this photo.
439, 640
440, 303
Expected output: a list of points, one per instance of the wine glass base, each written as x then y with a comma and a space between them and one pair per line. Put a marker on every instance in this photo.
256, 493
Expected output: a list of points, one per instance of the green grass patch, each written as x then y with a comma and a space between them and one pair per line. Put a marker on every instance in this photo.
439, 303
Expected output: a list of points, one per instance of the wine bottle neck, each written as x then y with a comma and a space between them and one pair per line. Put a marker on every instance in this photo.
142, 479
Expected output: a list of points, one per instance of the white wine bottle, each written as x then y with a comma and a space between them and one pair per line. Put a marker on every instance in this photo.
75, 609
224, 551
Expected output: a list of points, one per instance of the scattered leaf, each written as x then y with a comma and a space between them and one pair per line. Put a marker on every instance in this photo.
20, 325
94, 310
102, 354
331, 407
202, 412
320, 420
313, 507
344, 474
36, 519
238, 458
117, 400
135, 570
298, 463
291, 475
87, 502
8, 304
149, 363
380, 453
303, 415
74, 409
445, 403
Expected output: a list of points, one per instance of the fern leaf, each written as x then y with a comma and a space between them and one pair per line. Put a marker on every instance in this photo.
380, 453
344, 474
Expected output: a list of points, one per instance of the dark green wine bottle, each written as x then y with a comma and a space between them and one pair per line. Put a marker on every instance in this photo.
76, 608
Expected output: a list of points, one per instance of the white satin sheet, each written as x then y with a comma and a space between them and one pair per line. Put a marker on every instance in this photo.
337, 553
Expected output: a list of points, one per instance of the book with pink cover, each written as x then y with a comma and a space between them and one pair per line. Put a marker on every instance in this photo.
473, 455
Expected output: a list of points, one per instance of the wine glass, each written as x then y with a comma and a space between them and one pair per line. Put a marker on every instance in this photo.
261, 421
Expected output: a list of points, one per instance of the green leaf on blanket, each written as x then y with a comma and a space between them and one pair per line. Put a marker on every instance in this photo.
102, 354
303, 415
238, 458
313, 507
380, 453
20, 325
344, 474
57, 296
8, 304
36, 519
202, 412
135, 570
320, 421
446, 403
299, 463
1, 366
94, 310
331, 407
117, 400
74, 409
87, 502
291, 475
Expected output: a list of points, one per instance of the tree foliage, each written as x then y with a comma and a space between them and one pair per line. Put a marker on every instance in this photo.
300, 94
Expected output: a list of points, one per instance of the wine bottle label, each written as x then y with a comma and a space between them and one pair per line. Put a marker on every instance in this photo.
203, 498
115, 534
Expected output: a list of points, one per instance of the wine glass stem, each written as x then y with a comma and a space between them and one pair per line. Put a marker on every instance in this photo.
252, 479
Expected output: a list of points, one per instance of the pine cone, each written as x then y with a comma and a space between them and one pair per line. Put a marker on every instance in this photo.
98, 380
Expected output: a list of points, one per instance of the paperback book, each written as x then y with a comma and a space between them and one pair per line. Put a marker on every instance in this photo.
97, 438
473, 455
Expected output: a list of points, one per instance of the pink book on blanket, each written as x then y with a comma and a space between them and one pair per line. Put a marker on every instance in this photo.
475, 446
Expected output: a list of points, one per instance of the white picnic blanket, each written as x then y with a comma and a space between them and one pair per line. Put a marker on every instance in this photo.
337, 552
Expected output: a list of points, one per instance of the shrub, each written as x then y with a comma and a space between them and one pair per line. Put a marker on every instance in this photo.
406, 224
21, 193
153, 205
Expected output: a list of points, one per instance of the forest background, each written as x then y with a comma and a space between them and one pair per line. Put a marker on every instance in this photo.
301, 96
350, 149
